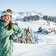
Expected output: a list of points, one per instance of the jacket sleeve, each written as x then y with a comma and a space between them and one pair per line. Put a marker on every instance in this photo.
18, 32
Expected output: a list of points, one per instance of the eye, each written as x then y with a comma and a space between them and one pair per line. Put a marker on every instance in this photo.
7, 17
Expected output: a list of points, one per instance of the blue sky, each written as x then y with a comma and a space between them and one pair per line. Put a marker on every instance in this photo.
46, 7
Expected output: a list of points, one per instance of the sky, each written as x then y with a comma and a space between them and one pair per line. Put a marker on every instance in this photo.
46, 7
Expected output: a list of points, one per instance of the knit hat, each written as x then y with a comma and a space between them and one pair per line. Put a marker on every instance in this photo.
7, 12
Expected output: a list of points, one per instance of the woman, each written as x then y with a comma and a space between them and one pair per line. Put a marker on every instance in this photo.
7, 33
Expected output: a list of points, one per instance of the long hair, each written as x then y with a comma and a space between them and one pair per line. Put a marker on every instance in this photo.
10, 25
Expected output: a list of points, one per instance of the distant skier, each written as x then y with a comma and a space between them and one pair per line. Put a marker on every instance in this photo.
7, 33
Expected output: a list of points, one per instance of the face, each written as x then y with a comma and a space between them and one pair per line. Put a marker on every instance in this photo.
6, 18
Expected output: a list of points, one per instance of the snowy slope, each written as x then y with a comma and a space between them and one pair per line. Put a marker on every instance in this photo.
34, 50
42, 37
46, 42
34, 25
47, 39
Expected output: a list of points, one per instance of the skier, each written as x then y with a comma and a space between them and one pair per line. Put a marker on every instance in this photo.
7, 33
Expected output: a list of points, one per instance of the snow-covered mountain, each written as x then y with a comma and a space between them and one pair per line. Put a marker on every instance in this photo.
30, 13
22, 14
19, 16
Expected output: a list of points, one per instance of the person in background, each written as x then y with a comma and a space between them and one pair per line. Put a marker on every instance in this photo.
8, 31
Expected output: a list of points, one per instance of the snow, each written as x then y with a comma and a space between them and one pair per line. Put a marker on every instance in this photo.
34, 50
23, 14
41, 37
34, 25
46, 44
